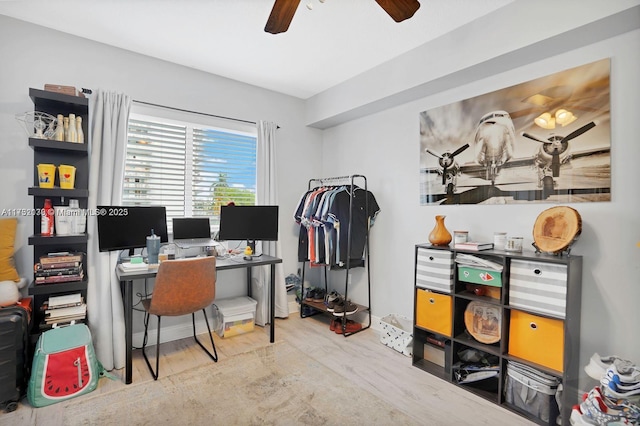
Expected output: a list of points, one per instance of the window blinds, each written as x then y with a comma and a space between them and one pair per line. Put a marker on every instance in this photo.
190, 169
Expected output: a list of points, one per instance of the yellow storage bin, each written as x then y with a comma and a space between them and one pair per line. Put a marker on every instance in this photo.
537, 339
433, 311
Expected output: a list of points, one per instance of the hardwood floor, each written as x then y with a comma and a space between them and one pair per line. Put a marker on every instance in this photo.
360, 359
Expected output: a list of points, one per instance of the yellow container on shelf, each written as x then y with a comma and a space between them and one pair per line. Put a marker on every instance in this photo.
433, 311
46, 175
537, 339
67, 175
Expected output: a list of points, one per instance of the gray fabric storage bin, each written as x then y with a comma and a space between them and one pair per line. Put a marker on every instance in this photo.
532, 391
435, 269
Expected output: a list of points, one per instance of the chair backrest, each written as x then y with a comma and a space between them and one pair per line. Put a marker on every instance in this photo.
184, 286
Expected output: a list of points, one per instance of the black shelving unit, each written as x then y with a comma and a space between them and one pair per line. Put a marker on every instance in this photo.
556, 356
58, 152
319, 307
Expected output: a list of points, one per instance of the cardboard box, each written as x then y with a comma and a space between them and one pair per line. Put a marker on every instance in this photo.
234, 315
67, 90
480, 276
434, 354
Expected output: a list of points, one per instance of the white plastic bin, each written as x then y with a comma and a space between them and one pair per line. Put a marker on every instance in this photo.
234, 315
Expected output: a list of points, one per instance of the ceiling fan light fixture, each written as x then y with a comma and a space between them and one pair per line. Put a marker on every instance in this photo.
564, 117
546, 121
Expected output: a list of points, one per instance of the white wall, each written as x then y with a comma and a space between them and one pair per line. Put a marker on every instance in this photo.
33, 55
385, 147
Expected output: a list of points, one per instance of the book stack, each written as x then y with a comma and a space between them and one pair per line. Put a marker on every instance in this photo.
64, 309
59, 268
473, 246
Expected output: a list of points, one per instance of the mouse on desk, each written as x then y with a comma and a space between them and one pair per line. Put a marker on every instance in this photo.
248, 258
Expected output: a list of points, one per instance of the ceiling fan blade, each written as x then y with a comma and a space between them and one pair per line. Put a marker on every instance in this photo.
527, 135
399, 10
580, 131
459, 150
281, 16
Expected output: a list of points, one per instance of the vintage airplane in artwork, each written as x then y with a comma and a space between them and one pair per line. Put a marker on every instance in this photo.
449, 168
543, 167
552, 153
494, 141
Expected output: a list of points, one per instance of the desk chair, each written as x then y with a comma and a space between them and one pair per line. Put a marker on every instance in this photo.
182, 287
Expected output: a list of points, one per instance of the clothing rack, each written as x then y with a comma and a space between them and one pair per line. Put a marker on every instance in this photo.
349, 181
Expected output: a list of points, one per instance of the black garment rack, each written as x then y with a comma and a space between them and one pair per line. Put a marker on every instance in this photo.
320, 307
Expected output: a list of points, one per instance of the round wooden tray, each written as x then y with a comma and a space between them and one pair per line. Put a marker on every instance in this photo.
556, 229
483, 321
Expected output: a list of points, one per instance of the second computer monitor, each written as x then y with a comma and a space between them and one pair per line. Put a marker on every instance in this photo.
191, 227
250, 223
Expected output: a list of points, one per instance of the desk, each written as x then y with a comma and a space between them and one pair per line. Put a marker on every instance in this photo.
126, 286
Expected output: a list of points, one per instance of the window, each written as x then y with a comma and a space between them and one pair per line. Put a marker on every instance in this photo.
188, 165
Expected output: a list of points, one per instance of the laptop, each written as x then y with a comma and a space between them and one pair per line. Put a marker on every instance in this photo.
192, 232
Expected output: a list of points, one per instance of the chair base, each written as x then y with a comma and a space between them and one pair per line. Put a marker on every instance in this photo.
213, 356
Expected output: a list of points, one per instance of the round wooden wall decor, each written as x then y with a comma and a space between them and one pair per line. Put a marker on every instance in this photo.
483, 321
556, 229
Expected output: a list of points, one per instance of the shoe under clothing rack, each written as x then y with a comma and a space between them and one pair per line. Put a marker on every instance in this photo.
319, 307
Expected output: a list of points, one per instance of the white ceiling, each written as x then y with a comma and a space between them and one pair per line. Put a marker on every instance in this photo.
332, 42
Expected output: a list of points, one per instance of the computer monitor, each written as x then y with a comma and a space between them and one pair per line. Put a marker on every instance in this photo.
185, 228
125, 227
250, 223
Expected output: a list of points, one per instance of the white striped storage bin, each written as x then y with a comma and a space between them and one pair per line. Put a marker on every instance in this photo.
538, 287
435, 269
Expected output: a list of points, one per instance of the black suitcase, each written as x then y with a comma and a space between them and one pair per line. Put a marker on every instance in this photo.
14, 356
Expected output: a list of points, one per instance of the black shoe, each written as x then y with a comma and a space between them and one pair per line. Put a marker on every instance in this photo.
346, 308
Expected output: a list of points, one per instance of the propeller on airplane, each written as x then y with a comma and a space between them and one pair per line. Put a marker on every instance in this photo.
556, 145
446, 160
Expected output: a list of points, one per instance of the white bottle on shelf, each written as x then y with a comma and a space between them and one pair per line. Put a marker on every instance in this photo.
78, 218
59, 134
72, 135
79, 132
65, 126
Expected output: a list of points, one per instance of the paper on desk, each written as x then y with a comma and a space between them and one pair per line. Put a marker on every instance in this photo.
128, 266
477, 262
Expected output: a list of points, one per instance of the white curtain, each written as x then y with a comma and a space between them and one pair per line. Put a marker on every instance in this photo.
267, 194
108, 117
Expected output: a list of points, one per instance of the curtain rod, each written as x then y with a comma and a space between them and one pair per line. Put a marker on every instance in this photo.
196, 112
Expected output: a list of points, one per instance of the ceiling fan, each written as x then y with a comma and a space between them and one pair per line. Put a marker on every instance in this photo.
283, 11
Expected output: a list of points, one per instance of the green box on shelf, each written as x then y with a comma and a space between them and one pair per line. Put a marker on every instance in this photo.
480, 276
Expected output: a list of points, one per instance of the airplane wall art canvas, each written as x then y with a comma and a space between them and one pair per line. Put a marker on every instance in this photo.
547, 140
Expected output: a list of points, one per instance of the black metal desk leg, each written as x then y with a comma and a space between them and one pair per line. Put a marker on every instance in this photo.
272, 303
249, 278
128, 324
